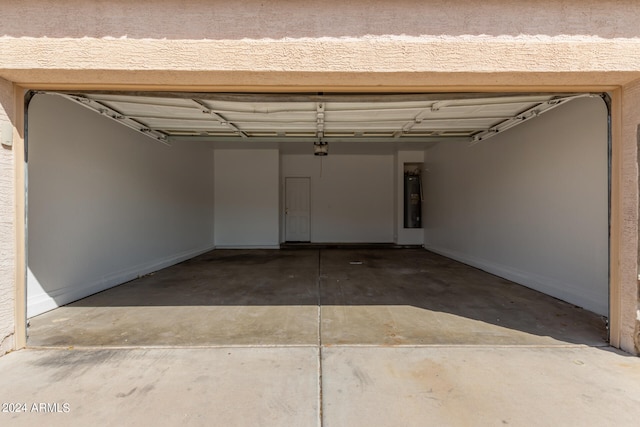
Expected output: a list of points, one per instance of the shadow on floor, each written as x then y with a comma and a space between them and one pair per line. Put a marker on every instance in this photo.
377, 297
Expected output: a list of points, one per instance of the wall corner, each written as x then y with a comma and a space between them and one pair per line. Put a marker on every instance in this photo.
624, 287
8, 218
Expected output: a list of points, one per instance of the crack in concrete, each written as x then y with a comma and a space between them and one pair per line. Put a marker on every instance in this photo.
319, 282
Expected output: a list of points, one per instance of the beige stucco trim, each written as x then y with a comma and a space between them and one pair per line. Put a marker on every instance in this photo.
281, 81
20, 340
307, 88
615, 243
627, 214
380, 53
7, 219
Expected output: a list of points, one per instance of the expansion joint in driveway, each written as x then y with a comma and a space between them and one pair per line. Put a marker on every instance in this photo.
319, 283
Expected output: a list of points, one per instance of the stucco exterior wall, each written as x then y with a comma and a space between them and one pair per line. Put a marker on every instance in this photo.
277, 19
629, 302
7, 229
360, 45
406, 43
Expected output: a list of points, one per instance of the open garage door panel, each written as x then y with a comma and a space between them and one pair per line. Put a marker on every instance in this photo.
153, 179
320, 118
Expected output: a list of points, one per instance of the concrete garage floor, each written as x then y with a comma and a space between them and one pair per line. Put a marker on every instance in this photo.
309, 297
306, 338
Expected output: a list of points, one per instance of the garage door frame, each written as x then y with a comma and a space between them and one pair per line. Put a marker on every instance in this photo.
616, 200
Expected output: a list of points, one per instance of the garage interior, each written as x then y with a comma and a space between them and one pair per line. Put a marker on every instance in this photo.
281, 219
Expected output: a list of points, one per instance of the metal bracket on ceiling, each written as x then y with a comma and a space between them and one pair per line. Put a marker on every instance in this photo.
320, 146
115, 115
223, 121
524, 116
320, 120
419, 118
406, 128
437, 105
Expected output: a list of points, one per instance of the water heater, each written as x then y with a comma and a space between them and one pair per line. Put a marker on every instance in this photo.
412, 200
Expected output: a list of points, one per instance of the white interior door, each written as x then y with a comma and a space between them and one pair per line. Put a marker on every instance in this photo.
297, 215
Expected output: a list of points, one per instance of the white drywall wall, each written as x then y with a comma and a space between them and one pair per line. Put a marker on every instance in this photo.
246, 198
107, 204
352, 196
406, 236
529, 205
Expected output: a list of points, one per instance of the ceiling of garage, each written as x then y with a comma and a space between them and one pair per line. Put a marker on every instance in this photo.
319, 118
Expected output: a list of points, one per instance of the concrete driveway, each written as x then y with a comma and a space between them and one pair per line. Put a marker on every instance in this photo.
328, 386
331, 338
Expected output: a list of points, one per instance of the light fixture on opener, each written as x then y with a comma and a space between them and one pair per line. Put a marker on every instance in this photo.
320, 148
